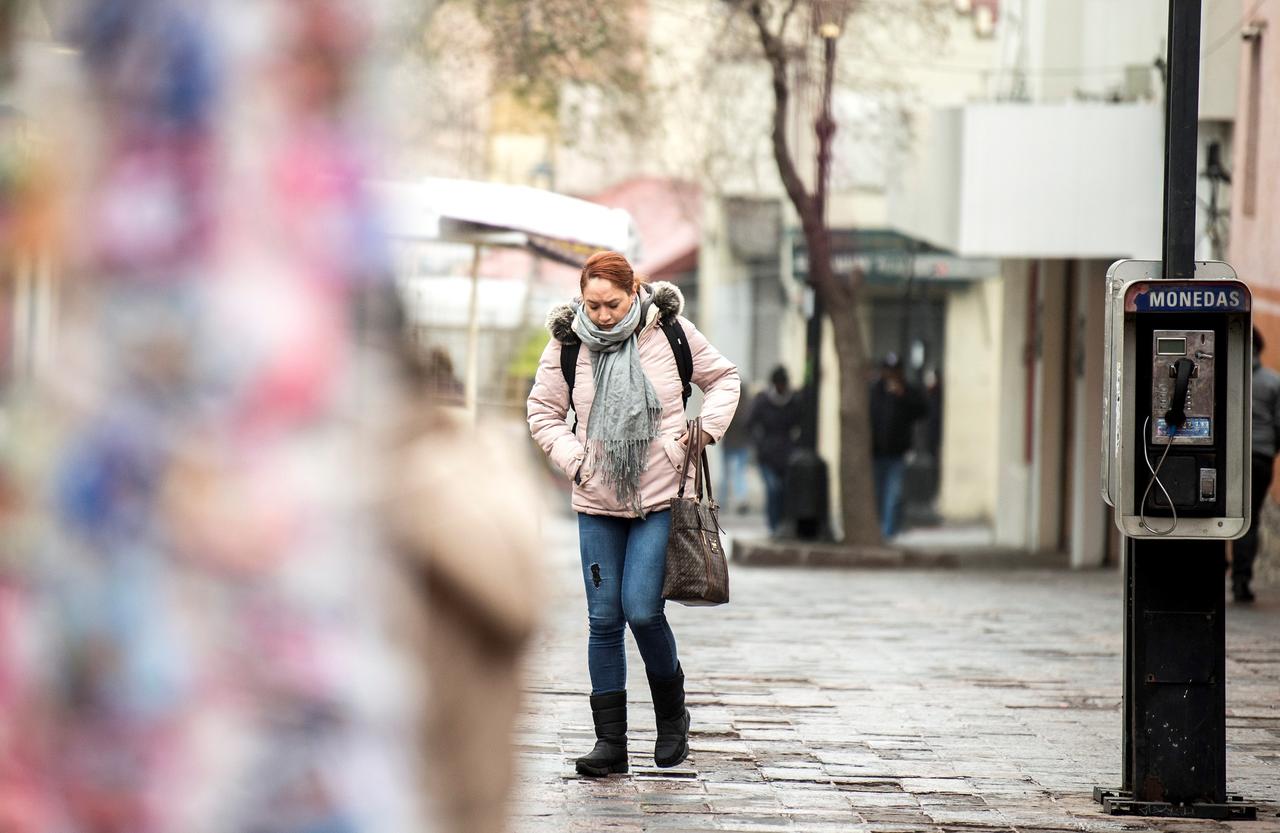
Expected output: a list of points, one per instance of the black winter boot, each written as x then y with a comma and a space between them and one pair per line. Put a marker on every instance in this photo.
672, 717
609, 713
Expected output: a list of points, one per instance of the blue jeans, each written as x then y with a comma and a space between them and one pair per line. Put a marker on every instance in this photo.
774, 482
623, 563
889, 473
735, 476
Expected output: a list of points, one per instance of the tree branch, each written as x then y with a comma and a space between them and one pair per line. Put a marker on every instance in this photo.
810, 211
776, 55
782, 27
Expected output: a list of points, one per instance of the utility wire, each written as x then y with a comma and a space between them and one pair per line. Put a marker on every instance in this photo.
1232, 32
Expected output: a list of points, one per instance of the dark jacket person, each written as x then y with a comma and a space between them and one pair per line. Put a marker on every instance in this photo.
895, 407
774, 424
1266, 428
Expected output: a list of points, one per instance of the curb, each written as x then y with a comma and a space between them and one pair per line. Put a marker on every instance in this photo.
767, 553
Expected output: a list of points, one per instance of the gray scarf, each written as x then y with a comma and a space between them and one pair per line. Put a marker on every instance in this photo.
626, 411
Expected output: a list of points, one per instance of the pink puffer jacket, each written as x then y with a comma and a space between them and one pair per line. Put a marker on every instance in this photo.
715, 375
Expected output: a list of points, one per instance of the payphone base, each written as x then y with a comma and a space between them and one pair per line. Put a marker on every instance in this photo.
1122, 803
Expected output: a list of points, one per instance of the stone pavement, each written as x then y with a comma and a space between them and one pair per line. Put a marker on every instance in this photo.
880, 700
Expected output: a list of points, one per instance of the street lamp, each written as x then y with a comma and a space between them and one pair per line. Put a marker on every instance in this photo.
825, 127
807, 476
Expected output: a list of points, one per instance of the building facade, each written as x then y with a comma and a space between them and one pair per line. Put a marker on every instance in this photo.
1255, 208
1057, 173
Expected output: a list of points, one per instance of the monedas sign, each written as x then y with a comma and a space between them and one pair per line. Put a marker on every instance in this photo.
1186, 296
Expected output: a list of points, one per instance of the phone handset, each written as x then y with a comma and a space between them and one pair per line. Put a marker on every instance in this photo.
1176, 416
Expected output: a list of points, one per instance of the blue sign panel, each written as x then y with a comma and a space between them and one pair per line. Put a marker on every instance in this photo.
1194, 427
1187, 296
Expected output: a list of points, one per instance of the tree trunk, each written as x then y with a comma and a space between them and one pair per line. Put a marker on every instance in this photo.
858, 514
857, 494
857, 506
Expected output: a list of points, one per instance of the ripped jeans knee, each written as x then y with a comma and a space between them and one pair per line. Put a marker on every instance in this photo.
623, 564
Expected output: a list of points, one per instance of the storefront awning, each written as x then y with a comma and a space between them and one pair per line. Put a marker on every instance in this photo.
555, 226
886, 257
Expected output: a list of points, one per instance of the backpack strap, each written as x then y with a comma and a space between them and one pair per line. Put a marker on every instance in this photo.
679, 348
684, 356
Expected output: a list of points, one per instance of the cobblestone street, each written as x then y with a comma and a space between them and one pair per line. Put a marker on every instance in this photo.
890, 700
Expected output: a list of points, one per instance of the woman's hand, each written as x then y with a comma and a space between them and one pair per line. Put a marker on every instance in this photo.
684, 439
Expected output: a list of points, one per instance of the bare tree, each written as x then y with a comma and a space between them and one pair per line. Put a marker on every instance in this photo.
838, 297
539, 51
540, 46
539, 61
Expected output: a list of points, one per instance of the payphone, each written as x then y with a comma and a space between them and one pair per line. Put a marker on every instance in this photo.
1176, 427
1176, 458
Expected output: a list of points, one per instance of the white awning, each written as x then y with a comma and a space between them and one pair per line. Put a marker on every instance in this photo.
552, 225
492, 214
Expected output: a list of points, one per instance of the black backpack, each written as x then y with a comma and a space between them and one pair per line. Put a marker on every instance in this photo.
679, 347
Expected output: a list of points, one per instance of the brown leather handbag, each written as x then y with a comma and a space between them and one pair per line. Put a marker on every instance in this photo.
697, 572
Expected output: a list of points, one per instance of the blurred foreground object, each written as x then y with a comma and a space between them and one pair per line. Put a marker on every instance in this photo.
192, 628
463, 514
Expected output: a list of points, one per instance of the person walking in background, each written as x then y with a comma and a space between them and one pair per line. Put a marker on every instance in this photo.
774, 425
895, 407
736, 450
624, 456
1266, 437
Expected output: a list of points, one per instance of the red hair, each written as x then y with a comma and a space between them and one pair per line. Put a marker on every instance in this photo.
612, 267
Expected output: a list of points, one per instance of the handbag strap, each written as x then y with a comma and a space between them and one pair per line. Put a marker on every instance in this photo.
688, 454
706, 470
696, 450
698, 460
703, 475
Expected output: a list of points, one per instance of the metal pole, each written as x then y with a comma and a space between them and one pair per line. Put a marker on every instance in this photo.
826, 128
1150, 595
1174, 714
1182, 103
473, 336
813, 372
904, 323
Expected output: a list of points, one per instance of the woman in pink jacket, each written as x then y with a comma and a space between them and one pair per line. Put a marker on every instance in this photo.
624, 458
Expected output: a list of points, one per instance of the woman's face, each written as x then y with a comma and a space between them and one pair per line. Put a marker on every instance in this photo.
606, 302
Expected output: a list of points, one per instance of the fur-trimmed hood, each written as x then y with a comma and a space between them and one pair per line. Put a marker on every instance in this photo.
668, 300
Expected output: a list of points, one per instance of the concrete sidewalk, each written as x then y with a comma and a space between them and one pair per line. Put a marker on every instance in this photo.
886, 700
